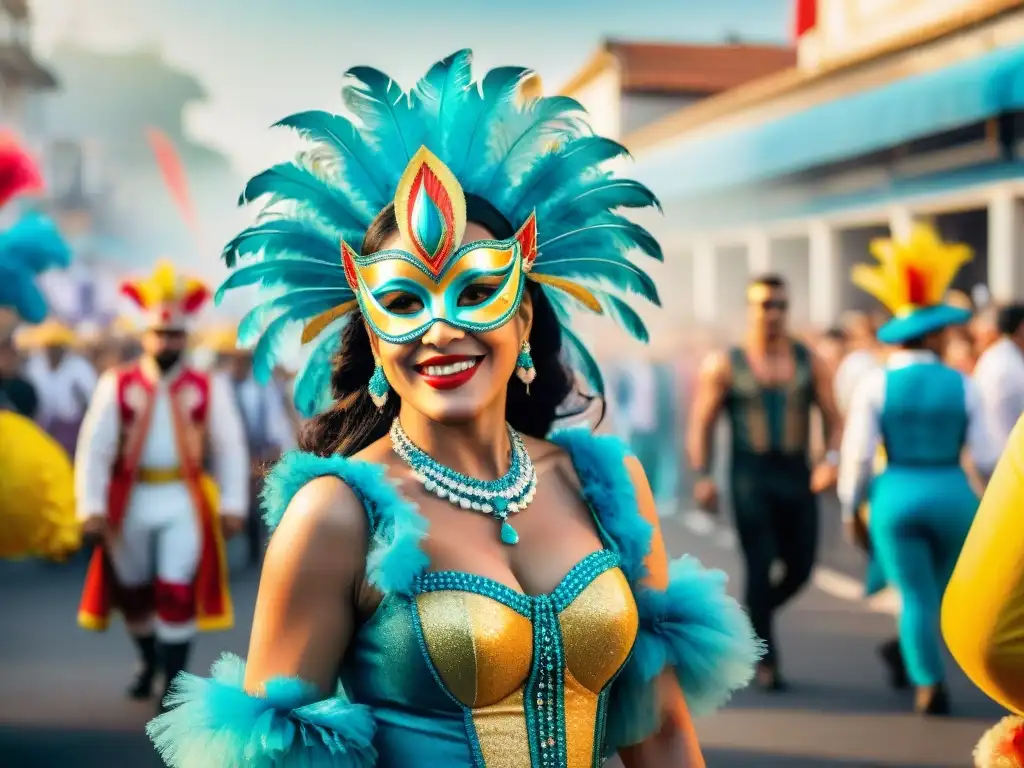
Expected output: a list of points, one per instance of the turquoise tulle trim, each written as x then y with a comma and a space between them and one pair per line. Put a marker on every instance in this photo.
397, 528
600, 463
214, 723
696, 628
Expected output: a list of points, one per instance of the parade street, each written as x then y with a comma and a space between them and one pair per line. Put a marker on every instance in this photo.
61, 700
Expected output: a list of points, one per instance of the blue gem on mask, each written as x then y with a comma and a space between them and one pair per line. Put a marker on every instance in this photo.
427, 222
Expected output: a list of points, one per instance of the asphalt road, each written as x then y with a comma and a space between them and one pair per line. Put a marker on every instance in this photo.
61, 703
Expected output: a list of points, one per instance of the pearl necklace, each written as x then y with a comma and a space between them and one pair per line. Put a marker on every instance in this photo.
499, 498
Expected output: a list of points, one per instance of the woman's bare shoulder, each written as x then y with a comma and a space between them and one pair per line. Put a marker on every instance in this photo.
324, 515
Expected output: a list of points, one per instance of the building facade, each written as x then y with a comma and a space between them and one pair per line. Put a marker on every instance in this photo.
629, 88
894, 110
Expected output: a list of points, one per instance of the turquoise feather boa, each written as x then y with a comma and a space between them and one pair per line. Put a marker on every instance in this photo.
214, 723
695, 628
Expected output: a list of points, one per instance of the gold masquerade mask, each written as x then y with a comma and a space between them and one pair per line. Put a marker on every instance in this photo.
475, 287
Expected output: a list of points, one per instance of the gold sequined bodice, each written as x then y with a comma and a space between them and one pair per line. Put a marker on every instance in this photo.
530, 670
520, 681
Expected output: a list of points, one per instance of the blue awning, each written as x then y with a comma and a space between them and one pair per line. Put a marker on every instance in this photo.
761, 210
902, 190
912, 108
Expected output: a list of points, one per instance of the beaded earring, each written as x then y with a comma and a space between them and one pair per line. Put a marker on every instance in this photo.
378, 386
524, 366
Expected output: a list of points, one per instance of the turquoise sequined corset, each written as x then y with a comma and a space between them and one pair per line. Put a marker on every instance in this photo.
466, 671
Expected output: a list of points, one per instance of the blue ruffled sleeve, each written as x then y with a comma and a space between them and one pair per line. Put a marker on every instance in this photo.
698, 630
692, 626
214, 723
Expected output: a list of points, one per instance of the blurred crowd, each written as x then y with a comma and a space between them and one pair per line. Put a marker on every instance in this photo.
48, 373
650, 394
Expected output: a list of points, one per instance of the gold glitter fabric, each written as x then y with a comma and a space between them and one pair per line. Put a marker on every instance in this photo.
598, 630
482, 650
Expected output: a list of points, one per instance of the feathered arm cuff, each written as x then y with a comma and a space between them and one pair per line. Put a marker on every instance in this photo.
214, 723
698, 630
1002, 746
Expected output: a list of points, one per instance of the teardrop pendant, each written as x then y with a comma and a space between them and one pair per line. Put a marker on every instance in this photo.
508, 534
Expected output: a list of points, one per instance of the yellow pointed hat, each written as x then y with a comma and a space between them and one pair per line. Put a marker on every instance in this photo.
912, 280
170, 299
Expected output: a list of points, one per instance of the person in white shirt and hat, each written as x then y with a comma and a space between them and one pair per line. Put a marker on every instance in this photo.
63, 379
999, 375
152, 428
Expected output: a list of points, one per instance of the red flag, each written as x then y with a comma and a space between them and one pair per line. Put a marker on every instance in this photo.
806, 17
174, 176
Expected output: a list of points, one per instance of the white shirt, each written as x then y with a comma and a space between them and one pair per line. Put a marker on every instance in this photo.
862, 433
849, 374
999, 375
98, 445
64, 392
264, 413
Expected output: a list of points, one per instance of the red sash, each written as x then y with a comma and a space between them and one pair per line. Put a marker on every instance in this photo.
190, 403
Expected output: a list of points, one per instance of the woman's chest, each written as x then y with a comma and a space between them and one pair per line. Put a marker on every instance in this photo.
531, 672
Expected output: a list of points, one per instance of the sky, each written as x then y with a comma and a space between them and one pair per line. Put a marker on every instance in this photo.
260, 60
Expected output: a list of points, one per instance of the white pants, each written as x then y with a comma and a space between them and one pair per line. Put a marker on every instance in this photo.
159, 545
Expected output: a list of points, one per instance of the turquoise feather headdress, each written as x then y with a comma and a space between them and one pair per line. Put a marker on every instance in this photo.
27, 249
523, 157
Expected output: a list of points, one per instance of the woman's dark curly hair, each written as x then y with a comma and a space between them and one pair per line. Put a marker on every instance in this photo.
354, 422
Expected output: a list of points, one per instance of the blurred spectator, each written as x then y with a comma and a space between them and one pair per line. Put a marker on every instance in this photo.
64, 381
959, 351
831, 348
863, 354
1000, 375
16, 392
984, 329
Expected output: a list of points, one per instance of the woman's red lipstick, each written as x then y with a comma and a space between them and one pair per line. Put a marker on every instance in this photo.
452, 380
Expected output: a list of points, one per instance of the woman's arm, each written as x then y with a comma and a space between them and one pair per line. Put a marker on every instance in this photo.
983, 608
675, 743
306, 605
860, 442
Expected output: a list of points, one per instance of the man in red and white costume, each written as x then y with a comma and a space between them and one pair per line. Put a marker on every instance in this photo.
152, 428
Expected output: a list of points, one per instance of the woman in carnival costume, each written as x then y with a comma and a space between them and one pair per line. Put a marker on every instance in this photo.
923, 414
37, 510
983, 609
444, 586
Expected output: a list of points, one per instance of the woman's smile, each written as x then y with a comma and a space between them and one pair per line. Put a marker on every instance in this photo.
448, 371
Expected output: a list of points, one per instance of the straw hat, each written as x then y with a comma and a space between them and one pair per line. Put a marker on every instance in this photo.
222, 339
47, 335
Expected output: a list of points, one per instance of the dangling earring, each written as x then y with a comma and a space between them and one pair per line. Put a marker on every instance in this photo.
524, 366
378, 386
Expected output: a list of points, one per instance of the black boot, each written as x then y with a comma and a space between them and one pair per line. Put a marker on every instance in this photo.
142, 684
892, 657
932, 700
768, 678
174, 658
